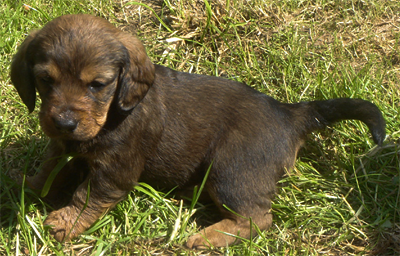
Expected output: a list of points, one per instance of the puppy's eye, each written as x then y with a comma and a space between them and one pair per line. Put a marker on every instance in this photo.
46, 79
96, 85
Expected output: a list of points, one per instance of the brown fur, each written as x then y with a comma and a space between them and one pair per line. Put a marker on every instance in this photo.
128, 120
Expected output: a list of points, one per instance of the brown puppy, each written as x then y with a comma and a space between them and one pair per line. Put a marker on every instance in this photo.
128, 120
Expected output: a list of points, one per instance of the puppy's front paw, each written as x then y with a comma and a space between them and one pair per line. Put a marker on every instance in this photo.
17, 176
62, 224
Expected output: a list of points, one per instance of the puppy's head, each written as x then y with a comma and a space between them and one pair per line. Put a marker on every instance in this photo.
80, 65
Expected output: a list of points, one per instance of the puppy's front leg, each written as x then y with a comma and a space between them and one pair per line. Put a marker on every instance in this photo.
91, 199
64, 183
37, 181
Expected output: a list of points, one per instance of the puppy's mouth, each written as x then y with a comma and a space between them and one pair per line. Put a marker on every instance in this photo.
69, 126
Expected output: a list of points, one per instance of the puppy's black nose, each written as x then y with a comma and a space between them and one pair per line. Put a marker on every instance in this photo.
65, 123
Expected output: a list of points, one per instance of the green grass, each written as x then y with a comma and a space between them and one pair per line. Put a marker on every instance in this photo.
343, 195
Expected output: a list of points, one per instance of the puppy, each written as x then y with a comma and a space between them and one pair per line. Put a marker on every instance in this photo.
127, 120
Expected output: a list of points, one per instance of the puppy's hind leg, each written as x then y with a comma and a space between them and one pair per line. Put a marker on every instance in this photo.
231, 229
247, 194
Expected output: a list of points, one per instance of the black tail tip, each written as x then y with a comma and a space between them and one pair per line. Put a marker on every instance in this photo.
379, 135
376, 123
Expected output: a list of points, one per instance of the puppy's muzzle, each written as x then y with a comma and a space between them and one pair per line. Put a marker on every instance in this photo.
65, 122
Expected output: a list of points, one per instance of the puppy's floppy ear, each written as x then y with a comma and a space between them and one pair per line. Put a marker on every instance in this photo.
137, 75
22, 74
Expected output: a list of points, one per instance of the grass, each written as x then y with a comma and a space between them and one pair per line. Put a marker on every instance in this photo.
342, 198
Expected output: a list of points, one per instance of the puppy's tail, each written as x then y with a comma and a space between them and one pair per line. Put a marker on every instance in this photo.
326, 112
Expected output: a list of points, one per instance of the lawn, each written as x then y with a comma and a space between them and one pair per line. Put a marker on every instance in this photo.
342, 197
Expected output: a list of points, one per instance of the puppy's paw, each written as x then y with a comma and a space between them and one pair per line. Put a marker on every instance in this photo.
31, 182
198, 242
62, 224
209, 237
17, 176
221, 234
